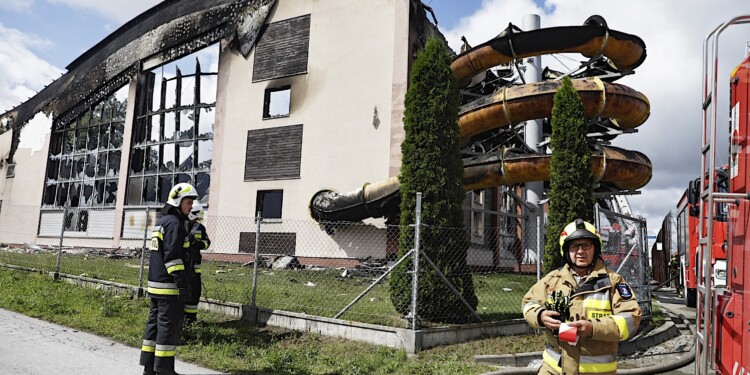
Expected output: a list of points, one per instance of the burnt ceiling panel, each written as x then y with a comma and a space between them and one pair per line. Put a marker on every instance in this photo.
164, 33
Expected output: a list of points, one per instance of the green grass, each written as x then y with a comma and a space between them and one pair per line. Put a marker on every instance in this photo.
292, 290
233, 346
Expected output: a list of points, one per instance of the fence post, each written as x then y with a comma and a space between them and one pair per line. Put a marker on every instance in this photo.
596, 218
62, 235
538, 248
143, 249
255, 258
415, 274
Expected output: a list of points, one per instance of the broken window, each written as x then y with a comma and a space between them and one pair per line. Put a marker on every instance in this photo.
84, 157
173, 132
276, 102
268, 203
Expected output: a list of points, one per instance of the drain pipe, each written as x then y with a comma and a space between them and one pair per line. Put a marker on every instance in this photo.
657, 369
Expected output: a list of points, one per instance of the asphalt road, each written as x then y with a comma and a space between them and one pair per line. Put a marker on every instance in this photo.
672, 349
34, 347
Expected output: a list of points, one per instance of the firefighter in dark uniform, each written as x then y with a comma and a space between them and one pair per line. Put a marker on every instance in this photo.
168, 281
603, 309
199, 241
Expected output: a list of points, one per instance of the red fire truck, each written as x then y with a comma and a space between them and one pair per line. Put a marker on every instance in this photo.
687, 238
723, 317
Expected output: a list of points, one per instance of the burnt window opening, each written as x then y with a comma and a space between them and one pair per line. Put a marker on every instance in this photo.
84, 154
11, 172
174, 129
277, 102
268, 203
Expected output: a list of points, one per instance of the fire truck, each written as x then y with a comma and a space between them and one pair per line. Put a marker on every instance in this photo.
687, 238
723, 316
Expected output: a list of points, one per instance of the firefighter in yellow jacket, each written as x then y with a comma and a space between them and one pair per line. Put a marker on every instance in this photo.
603, 308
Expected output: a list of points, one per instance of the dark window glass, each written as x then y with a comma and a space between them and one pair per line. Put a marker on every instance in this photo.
110, 194
62, 194
134, 191
49, 194
202, 184
114, 164
93, 142
269, 203
101, 165
115, 139
149, 190
87, 195
165, 185
81, 140
152, 159
73, 192
53, 169
98, 192
137, 161
66, 168
104, 131
90, 169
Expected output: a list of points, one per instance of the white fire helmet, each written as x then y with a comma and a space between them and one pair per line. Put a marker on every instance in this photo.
197, 213
180, 191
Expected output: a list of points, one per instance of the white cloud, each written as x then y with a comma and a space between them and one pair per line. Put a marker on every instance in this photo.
670, 76
17, 5
120, 11
22, 73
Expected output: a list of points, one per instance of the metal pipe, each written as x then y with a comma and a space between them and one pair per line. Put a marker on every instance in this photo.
415, 274
62, 235
258, 219
143, 248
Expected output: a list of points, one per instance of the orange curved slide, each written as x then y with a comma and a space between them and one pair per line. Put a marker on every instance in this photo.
514, 104
626, 51
627, 170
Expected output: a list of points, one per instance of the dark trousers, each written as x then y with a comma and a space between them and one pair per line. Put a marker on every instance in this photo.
162, 334
191, 306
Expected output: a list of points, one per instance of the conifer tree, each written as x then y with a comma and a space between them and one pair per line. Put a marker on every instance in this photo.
571, 177
431, 164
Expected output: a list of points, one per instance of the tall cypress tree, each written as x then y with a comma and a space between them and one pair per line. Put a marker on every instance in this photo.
571, 192
431, 164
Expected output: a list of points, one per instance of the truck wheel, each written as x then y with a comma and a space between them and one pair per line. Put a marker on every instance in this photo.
690, 297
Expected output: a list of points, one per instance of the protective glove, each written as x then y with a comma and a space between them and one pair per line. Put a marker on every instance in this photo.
183, 286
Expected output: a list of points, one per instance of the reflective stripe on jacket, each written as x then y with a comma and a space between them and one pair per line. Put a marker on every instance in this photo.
167, 273
599, 298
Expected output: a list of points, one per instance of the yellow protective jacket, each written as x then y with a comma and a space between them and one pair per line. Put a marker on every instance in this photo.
604, 298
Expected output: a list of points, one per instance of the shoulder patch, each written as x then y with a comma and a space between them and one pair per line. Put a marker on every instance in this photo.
624, 290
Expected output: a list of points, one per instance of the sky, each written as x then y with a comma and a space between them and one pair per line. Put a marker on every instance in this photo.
41, 37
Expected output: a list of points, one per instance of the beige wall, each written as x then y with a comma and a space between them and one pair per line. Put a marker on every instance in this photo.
350, 72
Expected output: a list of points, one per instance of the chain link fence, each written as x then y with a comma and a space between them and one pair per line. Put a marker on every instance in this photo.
626, 251
352, 271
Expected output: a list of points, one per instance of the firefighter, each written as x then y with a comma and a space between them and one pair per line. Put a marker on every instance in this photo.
603, 308
168, 281
199, 241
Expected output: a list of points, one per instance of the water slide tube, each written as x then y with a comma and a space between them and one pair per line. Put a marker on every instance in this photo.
625, 51
624, 169
513, 104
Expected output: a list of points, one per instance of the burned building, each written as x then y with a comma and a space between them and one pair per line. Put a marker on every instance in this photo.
258, 103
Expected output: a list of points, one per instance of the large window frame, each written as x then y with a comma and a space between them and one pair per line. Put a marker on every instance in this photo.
83, 166
173, 137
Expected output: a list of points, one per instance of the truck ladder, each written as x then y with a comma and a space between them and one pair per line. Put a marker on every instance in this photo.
705, 333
